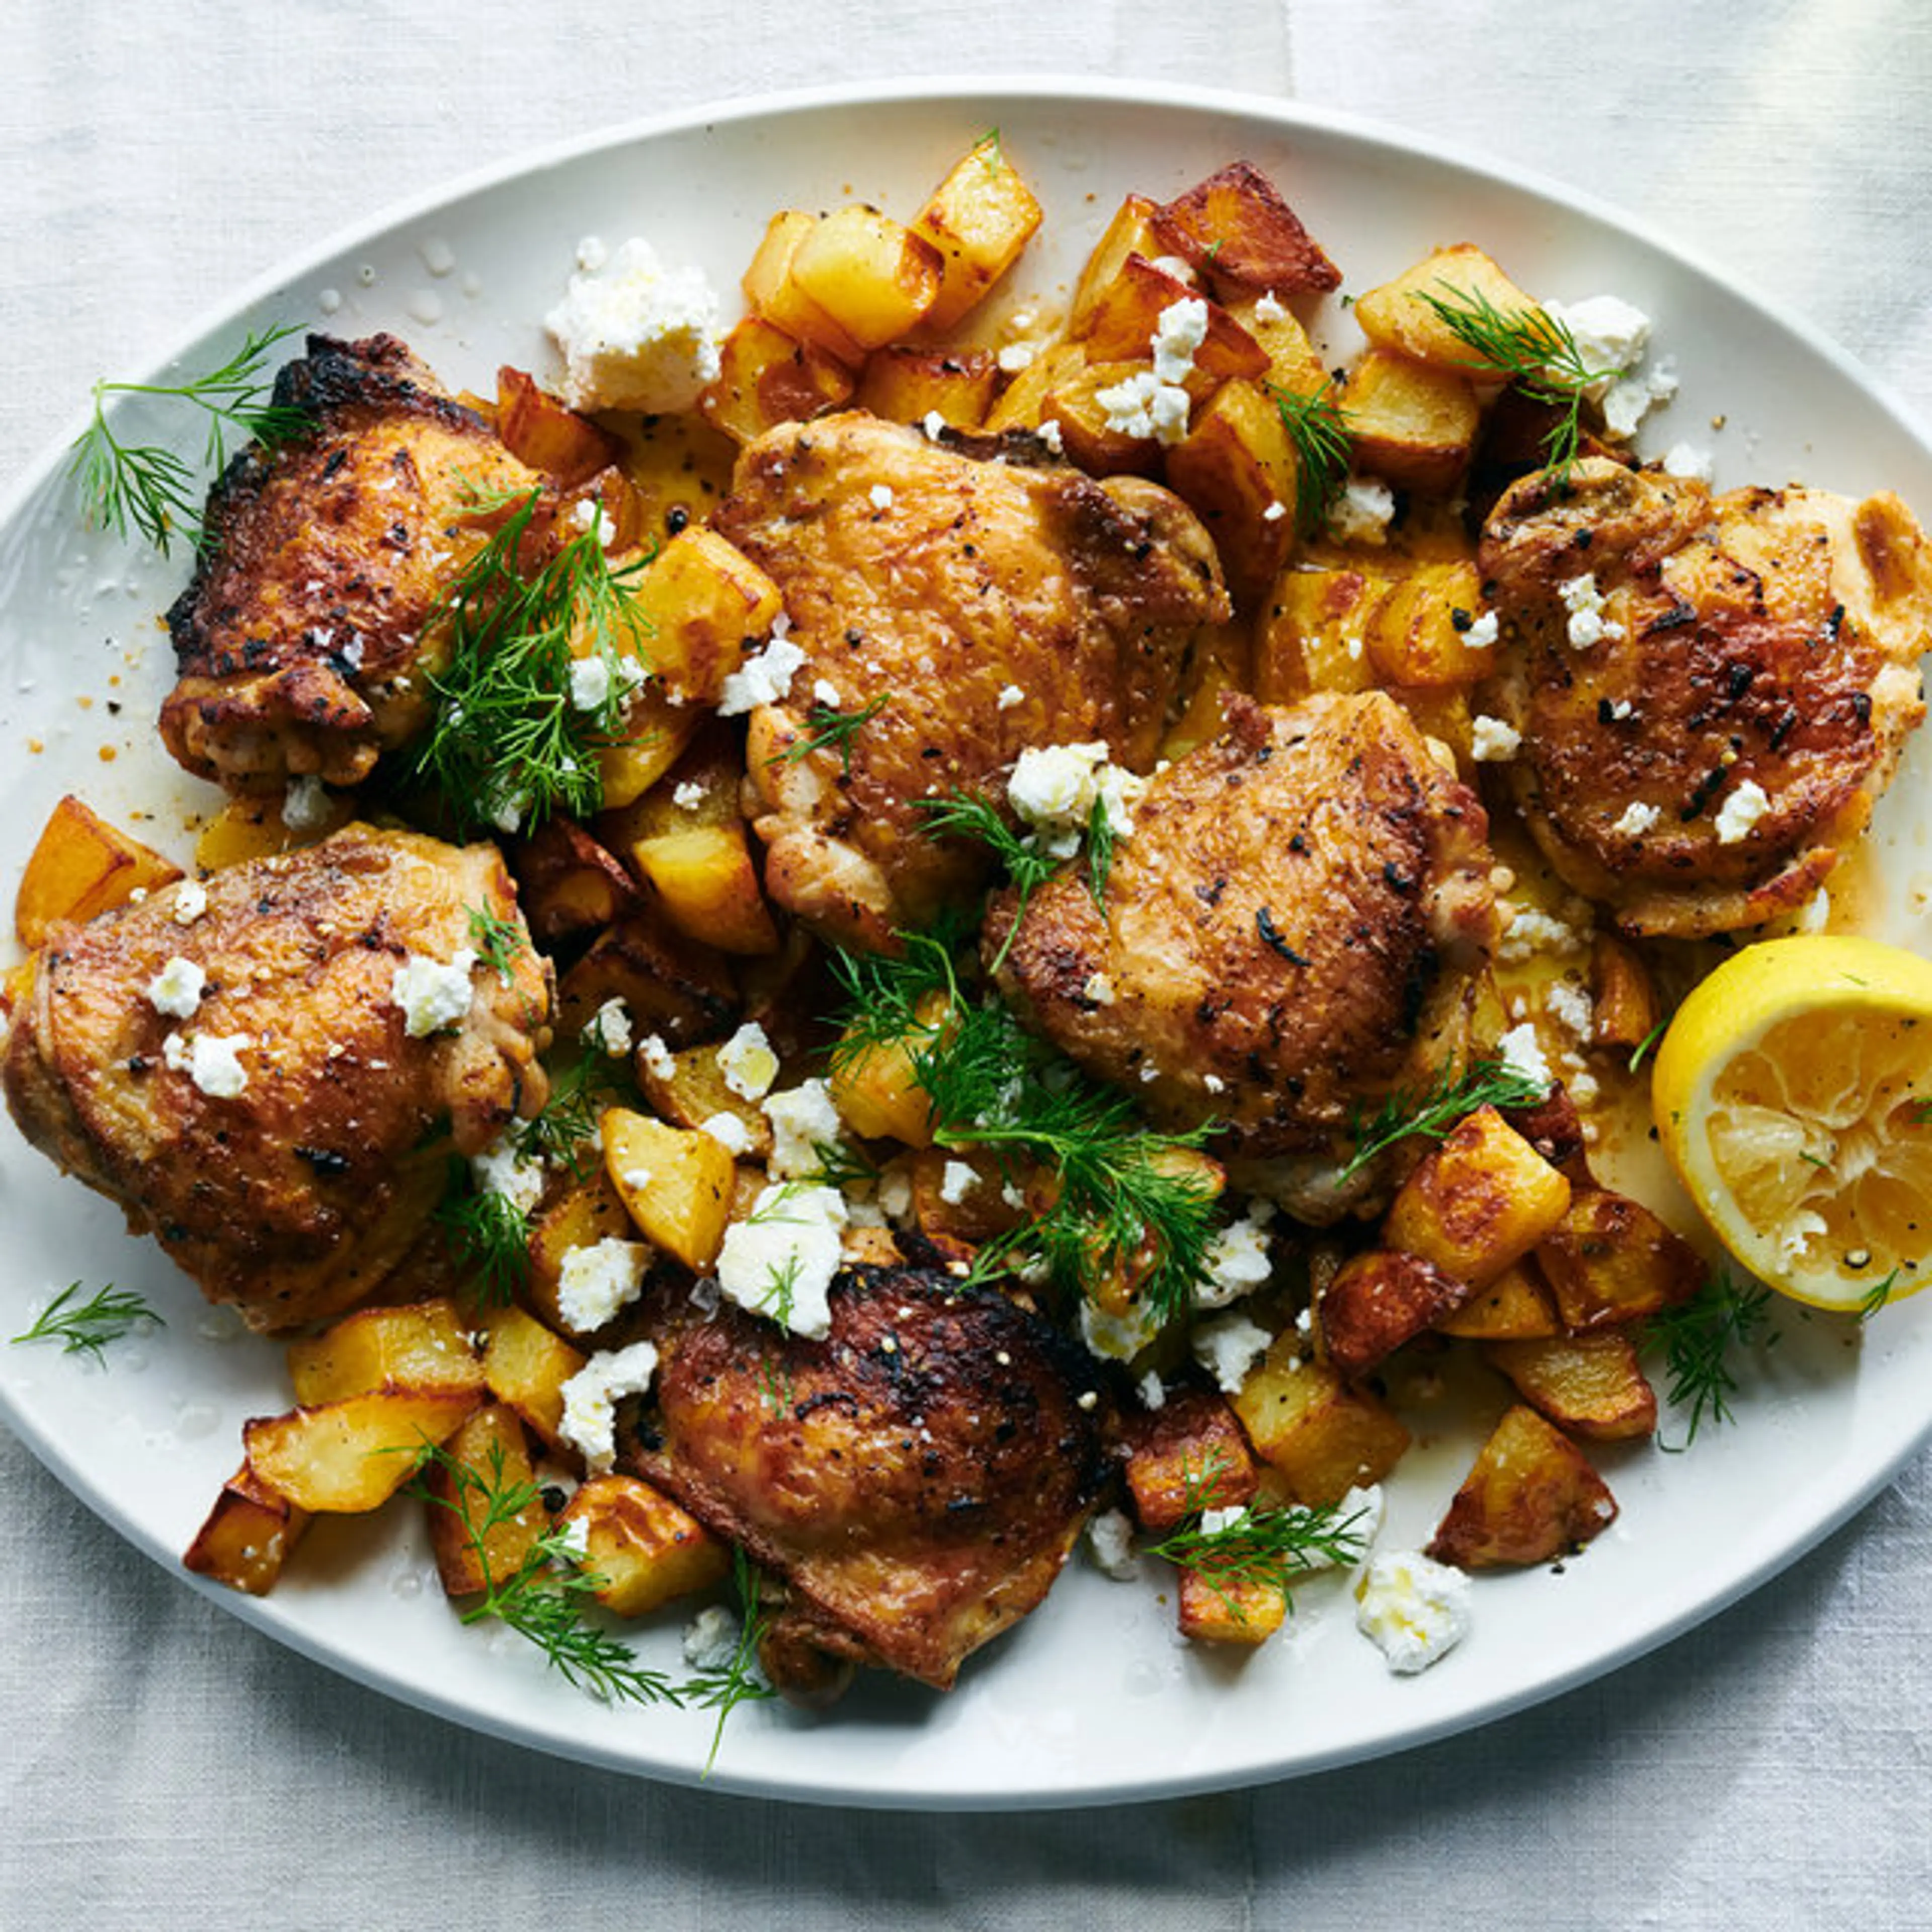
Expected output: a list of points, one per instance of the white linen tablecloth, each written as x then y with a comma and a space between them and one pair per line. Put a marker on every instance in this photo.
166, 1766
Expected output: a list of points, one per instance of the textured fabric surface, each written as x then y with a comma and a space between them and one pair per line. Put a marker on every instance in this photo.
164, 1766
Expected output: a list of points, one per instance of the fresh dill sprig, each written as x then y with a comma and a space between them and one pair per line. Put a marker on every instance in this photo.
740, 1681
832, 730
1532, 349
510, 746
1318, 431
498, 942
88, 1327
568, 1123
1100, 838
488, 1236
141, 489
544, 1598
1699, 1338
1647, 1044
961, 815
1257, 1544
1451, 1097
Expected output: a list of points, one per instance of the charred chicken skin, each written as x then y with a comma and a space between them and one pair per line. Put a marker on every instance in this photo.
1288, 933
1697, 751
285, 1137
982, 604
304, 642
916, 1478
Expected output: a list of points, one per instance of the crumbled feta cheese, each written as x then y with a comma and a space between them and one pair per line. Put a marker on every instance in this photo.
305, 804
956, 1181
1570, 1007
1117, 1338
712, 1638
177, 988
608, 1030
1110, 1542
763, 679
594, 1282
780, 1260
636, 334
1584, 601
657, 1059
1636, 819
1360, 1511
1213, 1083
590, 1399
431, 994
825, 693
636, 1179
688, 796
1152, 1391
190, 902
1275, 512
500, 1168
589, 682
1610, 333
729, 1131
592, 252
934, 424
1214, 1521
1415, 1608
1052, 789
1687, 460
1267, 309
1010, 695
1236, 1262
1179, 331
1048, 433
1741, 811
881, 496
1531, 931
1521, 1051
211, 1060
1627, 403
1363, 512
1484, 629
803, 1119
747, 1062
587, 514
1143, 405
1098, 990
1493, 741
1016, 356
1228, 1347
895, 1193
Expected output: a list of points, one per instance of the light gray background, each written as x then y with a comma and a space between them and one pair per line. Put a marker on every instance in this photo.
164, 1766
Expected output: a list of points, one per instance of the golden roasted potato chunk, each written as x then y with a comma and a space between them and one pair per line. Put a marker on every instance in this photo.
875, 1085
81, 866
1087, 430
1379, 1301
539, 430
766, 377
248, 1535
526, 1365
903, 383
640, 1548
1237, 229
1236, 469
978, 219
708, 887
1324, 1437
1411, 424
478, 1541
1591, 1385
1476, 1202
1610, 1260
677, 1184
349, 1457
1418, 634
874, 276
586, 1212
1401, 315
1625, 1008
1315, 638
1131, 232
699, 601
1019, 404
248, 827
1515, 1306
567, 883
672, 985
422, 1345
1189, 1455
1531, 1496
1119, 322
1220, 1608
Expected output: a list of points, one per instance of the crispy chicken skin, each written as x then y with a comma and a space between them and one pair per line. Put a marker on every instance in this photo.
1766, 642
918, 1486
933, 580
1288, 932
300, 643
293, 1197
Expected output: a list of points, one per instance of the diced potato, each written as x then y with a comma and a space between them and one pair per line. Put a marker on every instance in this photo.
1131, 232
774, 294
537, 430
673, 985
876, 1088
1187, 1456
478, 1542
1411, 424
1019, 403
423, 1345
872, 275
1444, 712
703, 787
1237, 229
1515, 1305
956, 1214
526, 1366
81, 866
1625, 1008
1087, 433
1551, 1125
1476, 1202
1324, 1437
1610, 1260
248, 1535
250, 827
766, 377
1236, 469
710, 887
1530, 1497
349, 1457
1314, 639
1591, 1385
1230, 1609
903, 383
1399, 315
659, 730
695, 1089
678, 466
698, 602
1119, 323
642, 1550
676, 1183
567, 883
1417, 636
1377, 1301
978, 219
1294, 362
586, 1212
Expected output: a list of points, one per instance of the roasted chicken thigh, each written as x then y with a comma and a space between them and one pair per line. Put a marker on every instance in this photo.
969, 605
303, 641
244, 1079
1711, 693
1288, 933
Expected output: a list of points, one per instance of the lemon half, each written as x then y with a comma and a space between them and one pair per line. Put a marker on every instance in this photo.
1793, 1095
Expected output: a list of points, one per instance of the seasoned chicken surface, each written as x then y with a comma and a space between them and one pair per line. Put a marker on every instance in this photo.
916, 1478
1696, 755
286, 1138
303, 642
984, 606
1288, 934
